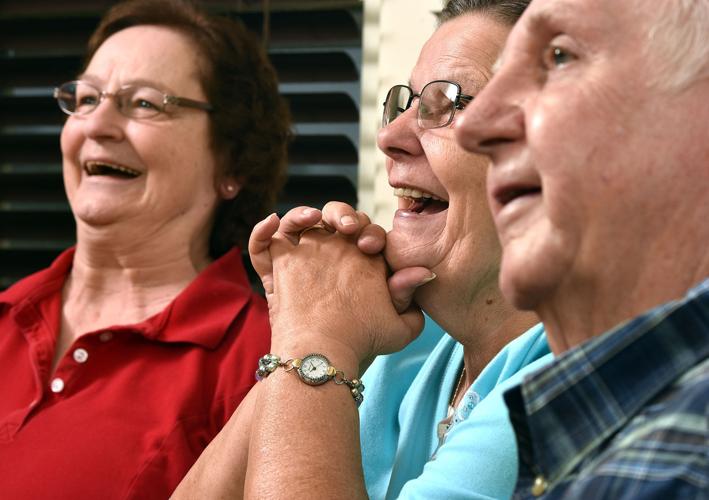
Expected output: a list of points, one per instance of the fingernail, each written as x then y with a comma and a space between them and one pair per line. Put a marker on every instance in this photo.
267, 220
348, 220
429, 279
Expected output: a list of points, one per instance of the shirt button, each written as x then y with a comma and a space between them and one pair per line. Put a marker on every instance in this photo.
539, 486
80, 355
105, 336
57, 385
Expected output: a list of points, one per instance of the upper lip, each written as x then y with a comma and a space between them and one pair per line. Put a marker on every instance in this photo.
426, 193
412, 192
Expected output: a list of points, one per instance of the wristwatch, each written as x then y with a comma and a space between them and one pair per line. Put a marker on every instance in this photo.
314, 369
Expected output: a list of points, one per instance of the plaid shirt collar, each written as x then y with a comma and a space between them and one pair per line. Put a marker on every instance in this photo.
563, 412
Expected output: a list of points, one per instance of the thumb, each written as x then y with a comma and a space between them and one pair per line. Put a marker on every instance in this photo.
414, 321
403, 283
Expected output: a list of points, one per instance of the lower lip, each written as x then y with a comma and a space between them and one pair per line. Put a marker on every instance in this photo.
109, 178
408, 216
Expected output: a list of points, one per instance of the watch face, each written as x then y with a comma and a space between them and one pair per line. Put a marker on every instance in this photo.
314, 369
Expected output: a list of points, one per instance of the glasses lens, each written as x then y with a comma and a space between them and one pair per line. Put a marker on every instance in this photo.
86, 98
140, 102
76, 98
437, 104
397, 102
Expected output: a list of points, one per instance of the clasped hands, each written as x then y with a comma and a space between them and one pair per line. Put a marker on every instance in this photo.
329, 288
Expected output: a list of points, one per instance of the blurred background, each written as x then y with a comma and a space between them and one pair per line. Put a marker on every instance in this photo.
335, 60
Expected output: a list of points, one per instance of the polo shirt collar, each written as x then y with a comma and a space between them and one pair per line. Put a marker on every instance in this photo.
204, 310
200, 314
563, 412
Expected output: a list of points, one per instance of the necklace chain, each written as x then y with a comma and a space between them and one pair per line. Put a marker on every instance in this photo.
457, 387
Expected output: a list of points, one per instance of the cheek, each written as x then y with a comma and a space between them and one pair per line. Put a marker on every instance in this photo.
70, 139
183, 159
459, 171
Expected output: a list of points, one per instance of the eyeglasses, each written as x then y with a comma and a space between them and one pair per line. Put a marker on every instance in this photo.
81, 98
438, 101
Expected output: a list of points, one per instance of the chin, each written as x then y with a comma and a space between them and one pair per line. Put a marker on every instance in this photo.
522, 283
92, 215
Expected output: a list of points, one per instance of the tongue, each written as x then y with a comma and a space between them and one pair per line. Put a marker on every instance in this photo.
416, 205
427, 206
433, 207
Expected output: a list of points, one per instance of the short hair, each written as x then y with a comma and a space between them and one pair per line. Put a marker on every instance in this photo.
249, 125
504, 11
678, 45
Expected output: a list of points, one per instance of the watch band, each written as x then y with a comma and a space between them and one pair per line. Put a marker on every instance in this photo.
320, 364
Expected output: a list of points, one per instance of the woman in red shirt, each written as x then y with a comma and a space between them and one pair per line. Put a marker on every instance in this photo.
127, 355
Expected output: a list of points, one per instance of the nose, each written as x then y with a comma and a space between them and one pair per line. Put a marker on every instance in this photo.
493, 119
105, 122
399, 139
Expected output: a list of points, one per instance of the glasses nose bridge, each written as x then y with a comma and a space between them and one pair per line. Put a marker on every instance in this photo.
105, 94
413, 96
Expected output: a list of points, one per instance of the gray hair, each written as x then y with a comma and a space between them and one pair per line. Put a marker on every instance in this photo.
504, 11
678, 43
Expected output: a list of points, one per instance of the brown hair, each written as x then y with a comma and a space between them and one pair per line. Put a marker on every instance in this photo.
249, 123
504, 11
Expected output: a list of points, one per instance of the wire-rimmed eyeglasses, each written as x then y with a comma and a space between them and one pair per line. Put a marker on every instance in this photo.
81, 98
438, 101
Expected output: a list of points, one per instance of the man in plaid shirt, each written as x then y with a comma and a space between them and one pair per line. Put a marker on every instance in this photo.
596, 125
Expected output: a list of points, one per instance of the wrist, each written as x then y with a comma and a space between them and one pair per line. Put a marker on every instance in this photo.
294, 344
313, 369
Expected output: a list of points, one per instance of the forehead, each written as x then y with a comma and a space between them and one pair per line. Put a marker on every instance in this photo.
153, 53
462, 50
600, 20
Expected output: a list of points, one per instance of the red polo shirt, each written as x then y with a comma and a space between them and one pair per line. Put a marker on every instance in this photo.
129, 408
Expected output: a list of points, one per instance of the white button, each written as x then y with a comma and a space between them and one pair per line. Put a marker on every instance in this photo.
57, 385
105, 336
80, 355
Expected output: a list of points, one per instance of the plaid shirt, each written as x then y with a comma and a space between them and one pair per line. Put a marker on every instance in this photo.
624, 415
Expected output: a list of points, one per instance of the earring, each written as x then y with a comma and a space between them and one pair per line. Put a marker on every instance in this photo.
230, 188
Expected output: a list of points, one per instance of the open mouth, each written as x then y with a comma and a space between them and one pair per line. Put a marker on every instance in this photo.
110, 169
507, 195
420, 202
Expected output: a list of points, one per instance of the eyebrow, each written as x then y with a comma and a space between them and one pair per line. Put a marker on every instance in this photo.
549, 14
134, 82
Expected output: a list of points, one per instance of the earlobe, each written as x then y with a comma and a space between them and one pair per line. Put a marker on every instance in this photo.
228, 189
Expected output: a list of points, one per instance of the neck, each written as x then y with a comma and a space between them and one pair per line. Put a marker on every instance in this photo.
112, 282
488, 323
582, 309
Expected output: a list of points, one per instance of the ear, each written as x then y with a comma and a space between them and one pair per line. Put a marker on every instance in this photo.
229, 187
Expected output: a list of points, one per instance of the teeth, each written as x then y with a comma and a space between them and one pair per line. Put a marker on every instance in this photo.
93, 167
414, 193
